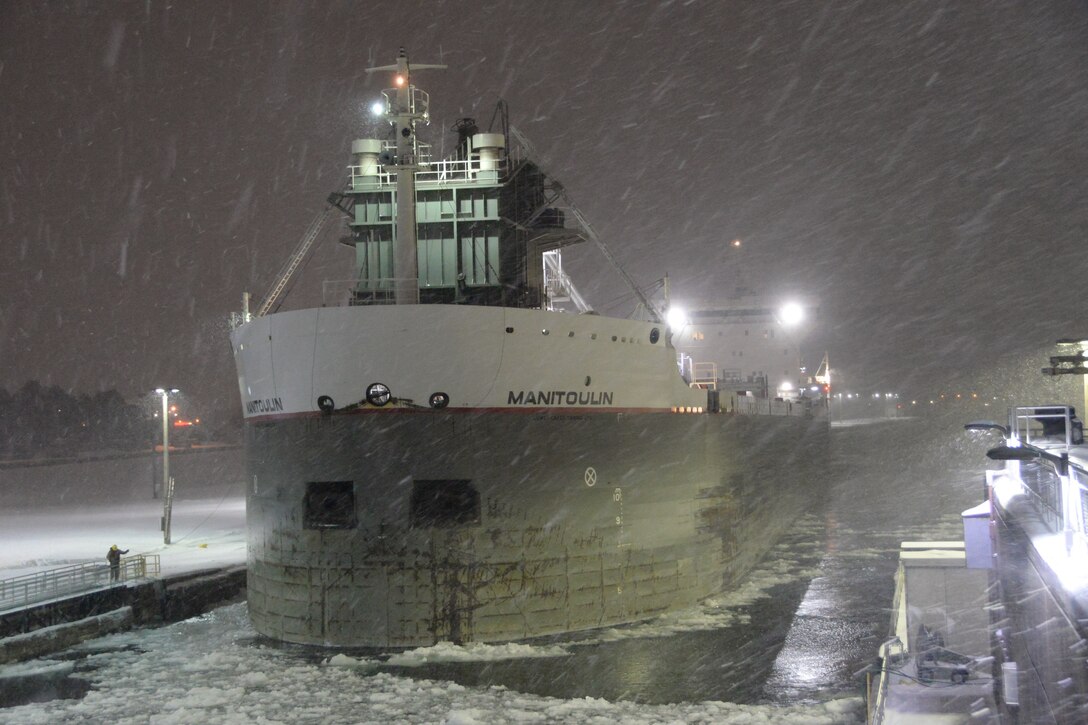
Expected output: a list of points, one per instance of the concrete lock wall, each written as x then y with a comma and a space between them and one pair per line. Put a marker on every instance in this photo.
59, 624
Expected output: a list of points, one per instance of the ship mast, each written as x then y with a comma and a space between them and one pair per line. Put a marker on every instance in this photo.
403, 114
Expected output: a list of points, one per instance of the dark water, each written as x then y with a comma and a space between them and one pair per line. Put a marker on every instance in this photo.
828, 587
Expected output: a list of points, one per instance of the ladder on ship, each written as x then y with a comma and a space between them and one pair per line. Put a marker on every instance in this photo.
336, 202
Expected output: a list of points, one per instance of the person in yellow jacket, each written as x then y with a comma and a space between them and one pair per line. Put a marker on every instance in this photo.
113, 556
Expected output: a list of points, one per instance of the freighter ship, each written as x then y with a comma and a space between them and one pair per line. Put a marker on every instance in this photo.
441, 454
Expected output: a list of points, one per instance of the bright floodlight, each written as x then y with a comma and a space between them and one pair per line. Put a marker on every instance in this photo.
676, 318
791, 313
377, 108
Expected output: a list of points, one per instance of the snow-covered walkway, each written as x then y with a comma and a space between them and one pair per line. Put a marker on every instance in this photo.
52, 516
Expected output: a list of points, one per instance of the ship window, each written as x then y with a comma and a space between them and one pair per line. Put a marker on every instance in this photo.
544, 332
330, 505
509, 330
445, 503
613, 338
593, 336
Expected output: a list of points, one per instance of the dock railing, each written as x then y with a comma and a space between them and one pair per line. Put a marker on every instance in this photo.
1058, 487
22, 591
1046, 424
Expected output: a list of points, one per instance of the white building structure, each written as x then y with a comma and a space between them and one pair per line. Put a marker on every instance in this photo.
747, 343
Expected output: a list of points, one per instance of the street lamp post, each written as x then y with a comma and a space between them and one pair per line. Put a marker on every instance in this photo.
167, 483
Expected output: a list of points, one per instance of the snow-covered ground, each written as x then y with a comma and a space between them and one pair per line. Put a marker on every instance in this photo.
53, 516
205, 533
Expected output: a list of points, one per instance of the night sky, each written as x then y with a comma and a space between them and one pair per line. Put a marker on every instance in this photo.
918, 169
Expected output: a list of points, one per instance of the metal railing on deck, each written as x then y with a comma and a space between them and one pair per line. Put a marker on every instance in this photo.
430, 173
1055, 482
769, 406
1046, 424
22, 591
353, 292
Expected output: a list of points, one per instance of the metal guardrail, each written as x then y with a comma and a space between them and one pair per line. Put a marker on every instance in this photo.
355, 292
1046, 424
1048, 442
22, 591
770, 406
430, 173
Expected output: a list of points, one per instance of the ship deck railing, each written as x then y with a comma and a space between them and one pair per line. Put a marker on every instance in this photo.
769, 406
705, 375
22, 591
368, 177
355, 292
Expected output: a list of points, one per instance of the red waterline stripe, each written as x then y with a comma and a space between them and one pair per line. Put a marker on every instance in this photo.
466, 411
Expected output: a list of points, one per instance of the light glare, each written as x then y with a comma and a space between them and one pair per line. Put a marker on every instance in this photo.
676, 318
791, 313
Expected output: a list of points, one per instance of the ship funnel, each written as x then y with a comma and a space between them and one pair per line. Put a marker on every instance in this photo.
489, 146
365, 153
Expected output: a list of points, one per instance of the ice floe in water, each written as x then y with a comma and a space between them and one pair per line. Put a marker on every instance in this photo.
213, 669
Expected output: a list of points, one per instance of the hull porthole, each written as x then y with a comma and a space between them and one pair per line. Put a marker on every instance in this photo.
325, 404
378, 394
439, 400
